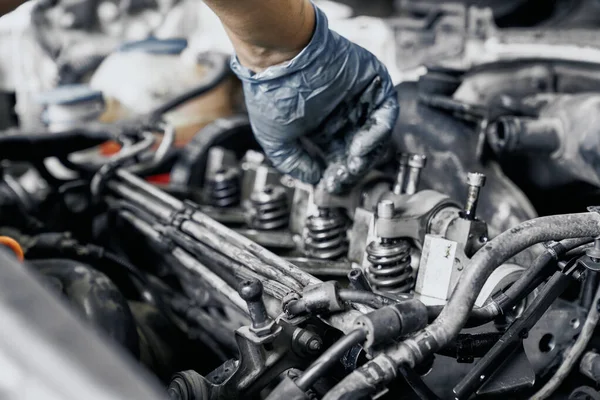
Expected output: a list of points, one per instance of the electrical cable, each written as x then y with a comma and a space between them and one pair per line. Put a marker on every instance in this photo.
211, 82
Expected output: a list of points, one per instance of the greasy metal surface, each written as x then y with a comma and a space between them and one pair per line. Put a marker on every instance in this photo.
553, 334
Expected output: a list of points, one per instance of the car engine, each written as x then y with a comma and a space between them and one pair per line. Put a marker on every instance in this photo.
150, 249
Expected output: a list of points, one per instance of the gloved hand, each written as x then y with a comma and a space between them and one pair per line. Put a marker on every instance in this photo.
335, 96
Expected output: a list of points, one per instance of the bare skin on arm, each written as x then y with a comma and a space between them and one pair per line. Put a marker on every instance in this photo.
7, 6
266, 32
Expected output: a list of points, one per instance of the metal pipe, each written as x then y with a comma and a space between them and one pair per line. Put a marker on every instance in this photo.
249, 246
218, 231
146, 204
210, 278
222, 243
190, 263
149, 189
211, 256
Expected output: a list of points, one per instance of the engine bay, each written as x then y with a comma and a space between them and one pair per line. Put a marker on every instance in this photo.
150, 246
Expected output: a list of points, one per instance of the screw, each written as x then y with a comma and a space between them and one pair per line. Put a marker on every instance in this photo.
385, 209
475, 181
401, 177
416, 162
251, 292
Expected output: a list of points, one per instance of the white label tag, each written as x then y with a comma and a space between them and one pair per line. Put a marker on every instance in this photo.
436, 268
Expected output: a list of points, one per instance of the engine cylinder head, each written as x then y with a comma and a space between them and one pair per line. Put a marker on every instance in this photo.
326, 235
223, 188
269, 209
390, 270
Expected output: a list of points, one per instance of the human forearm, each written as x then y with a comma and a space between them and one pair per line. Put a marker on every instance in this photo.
266, 32
9, 5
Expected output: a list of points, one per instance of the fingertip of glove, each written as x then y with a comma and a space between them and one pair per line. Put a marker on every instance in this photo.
358, 165
335, 177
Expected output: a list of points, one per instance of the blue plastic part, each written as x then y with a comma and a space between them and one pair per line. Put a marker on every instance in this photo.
336, 95
155, 46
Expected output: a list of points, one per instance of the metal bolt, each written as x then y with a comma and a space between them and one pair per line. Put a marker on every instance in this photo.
314, 345
402, 171
416, 162
594, 252
251, 291
305, 341
385, 209
475, 181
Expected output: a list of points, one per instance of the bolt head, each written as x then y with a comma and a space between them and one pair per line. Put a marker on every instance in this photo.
251, 290
476, 179
417, 161
385, 209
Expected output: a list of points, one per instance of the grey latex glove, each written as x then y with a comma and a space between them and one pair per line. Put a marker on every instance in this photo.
335, 95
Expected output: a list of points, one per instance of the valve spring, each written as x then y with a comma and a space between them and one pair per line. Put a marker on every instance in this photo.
390, 269
326, 235
269, 209
223, 189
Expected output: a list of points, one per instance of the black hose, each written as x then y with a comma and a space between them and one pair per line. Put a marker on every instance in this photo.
211, 83
328, 359
456, 313
469, 346
478, 315
25, 146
